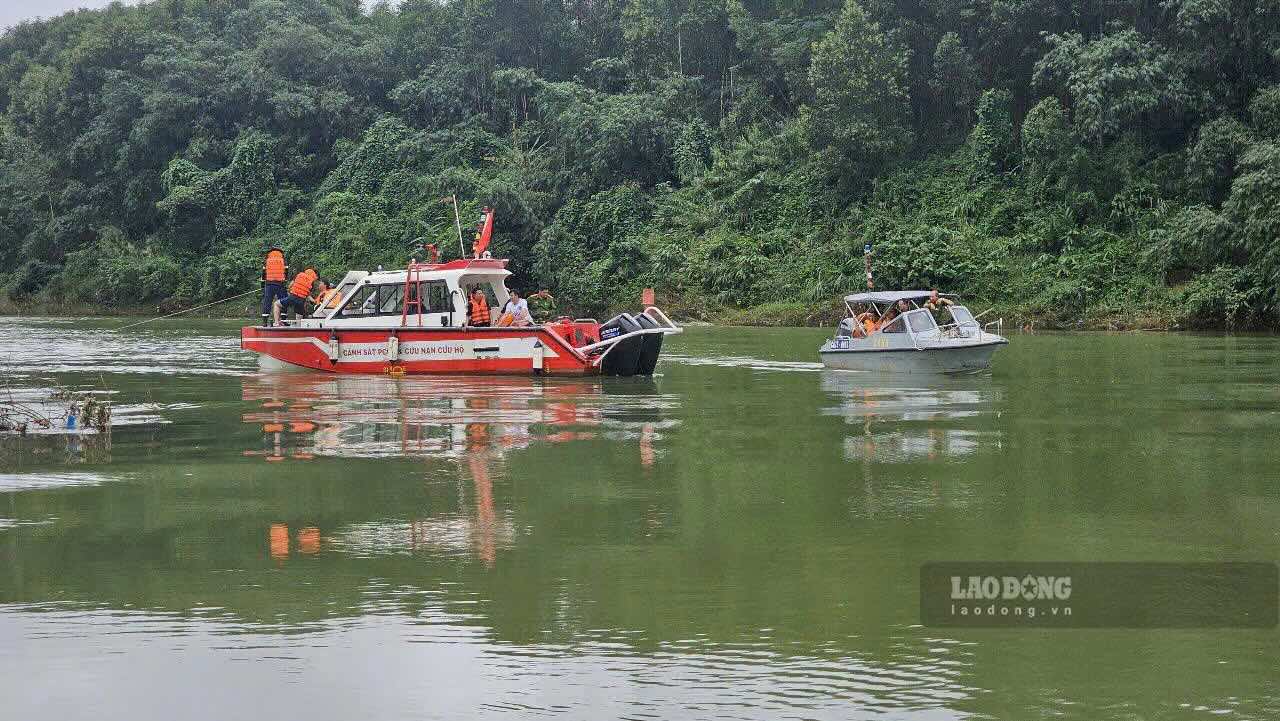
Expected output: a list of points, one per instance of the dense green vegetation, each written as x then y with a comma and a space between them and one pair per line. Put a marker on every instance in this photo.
1066, 160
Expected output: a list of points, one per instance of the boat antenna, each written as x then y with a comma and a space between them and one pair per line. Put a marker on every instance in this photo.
457, 219
866, 257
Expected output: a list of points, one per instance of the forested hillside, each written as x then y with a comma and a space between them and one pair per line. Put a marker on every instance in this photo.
1065, 159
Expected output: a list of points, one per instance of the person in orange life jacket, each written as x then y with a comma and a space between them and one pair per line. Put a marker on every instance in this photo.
478, 313
300, 293
892, 314
327, 299
274, 271
864, 324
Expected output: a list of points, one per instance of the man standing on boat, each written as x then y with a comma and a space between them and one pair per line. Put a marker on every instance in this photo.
274, 272
479, 313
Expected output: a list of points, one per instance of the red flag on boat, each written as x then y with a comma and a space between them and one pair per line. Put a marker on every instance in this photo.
484, 231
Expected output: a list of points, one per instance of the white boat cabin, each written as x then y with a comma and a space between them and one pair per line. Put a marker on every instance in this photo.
376, 299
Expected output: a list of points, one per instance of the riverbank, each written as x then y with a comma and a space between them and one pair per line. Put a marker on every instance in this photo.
768, 315
828, 314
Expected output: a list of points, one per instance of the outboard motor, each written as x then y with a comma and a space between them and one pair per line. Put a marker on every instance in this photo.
650, 346
846, 328
622, 358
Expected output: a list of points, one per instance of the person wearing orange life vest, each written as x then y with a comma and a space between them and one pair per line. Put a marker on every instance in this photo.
299, 293
274, 272
478, 313
328, 299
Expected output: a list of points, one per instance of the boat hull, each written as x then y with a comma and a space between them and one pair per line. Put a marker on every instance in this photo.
415, 351
969, 358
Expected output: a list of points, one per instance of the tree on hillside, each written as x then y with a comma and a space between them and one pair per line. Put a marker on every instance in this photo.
859, 111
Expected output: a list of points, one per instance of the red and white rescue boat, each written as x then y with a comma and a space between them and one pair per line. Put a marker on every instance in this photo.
414, 321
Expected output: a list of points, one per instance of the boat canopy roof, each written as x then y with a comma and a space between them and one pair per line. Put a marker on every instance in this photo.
455, 269
892, 296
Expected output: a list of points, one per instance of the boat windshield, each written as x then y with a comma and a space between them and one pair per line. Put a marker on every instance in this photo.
897, 325
962, 316
921, 321
344, 290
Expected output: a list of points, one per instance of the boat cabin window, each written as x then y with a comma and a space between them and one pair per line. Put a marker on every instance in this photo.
435, 296
391, 299
897, 325
373, 300
469, 288
388, 299
921, 321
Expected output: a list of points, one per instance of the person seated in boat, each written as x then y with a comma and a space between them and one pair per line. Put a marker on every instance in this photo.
299, 294
542, 306
887, 319
327, 299
866, 324
478, 313
515, 312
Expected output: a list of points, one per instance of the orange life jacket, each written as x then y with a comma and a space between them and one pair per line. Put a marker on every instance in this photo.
479, 311
302, 283
274, 269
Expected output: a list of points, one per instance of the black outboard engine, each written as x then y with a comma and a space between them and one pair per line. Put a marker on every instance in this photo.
650, 347
623, 358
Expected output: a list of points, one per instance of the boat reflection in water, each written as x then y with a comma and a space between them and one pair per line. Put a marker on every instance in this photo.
464, 428
902, 420
305, 416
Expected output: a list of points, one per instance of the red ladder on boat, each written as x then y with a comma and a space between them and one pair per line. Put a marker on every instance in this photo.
412, 293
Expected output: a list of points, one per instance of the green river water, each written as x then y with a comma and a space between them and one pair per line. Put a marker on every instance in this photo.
738, 538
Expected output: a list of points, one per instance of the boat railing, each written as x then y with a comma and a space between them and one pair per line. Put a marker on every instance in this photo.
958, 330
656, 315
965, 330
665, 326
998, 323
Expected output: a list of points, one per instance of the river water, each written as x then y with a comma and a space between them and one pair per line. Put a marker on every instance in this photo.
738, 538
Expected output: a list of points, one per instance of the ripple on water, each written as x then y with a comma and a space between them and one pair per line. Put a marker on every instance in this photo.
759, 364
11, 482
705, 678
46, 345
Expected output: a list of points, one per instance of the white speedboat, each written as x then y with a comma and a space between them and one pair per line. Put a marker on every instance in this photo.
903, 336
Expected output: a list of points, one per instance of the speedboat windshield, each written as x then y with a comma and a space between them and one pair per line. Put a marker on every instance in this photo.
962, 316
921, 321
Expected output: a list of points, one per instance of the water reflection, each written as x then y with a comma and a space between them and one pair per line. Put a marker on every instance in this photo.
910, 418
463, 428
305, 416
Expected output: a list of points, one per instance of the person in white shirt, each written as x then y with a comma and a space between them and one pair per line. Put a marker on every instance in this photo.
518, 308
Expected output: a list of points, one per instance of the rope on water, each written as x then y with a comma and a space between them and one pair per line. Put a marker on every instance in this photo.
188, 310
